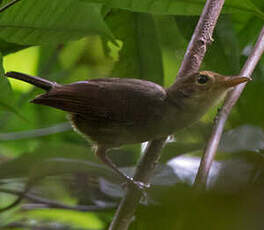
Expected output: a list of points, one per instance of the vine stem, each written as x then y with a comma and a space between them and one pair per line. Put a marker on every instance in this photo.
5, 7
197, 47
42, 203
231, 99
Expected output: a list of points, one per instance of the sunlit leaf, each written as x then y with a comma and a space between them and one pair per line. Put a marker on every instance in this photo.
76, 219
6, 93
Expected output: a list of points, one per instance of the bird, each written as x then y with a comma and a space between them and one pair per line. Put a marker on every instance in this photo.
116, 111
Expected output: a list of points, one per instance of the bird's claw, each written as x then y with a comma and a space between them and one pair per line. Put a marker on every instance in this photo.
138, 184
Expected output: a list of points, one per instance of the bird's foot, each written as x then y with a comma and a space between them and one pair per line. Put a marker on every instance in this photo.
138, 184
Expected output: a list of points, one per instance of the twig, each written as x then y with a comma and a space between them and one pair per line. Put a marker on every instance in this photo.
5, 7
54, 204
212, 145
36, 226
58, 128
192, 60
21, 195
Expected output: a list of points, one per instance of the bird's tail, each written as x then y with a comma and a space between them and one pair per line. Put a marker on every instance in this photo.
37, 81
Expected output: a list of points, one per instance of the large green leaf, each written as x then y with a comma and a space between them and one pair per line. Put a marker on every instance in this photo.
43, 21
178, 7
167, 7
140, 55
63, 219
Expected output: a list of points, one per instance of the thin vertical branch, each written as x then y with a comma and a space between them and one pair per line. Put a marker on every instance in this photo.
212, 145
202, 36
192, 60
143, 173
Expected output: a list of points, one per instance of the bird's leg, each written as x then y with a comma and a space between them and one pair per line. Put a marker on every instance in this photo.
101, 151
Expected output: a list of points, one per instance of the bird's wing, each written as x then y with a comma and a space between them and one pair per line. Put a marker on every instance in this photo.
112, 99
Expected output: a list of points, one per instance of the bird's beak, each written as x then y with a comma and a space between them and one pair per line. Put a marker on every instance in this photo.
235, 80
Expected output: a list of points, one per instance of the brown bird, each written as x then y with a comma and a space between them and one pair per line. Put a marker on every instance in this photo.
117, 111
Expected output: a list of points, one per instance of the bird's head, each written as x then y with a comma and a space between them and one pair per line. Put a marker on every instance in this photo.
199, 91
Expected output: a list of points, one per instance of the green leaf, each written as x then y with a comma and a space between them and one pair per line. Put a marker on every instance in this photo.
72, 218
178, 7
249, 31
184, 208
6, 93
43, 21
224, 56
246, 6
249, 108
12, 109
140, 55
167, 7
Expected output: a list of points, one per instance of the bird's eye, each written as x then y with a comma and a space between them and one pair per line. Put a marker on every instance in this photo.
202, 79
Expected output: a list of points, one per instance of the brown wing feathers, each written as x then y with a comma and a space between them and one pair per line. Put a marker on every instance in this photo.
112, 99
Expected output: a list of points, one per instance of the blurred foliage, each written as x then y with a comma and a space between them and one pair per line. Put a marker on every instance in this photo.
74, 40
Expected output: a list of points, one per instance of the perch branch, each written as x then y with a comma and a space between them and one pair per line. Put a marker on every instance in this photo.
191, 63
143, 173
212, 145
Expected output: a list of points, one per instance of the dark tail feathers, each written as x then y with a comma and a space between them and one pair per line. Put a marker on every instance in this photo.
37, 81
